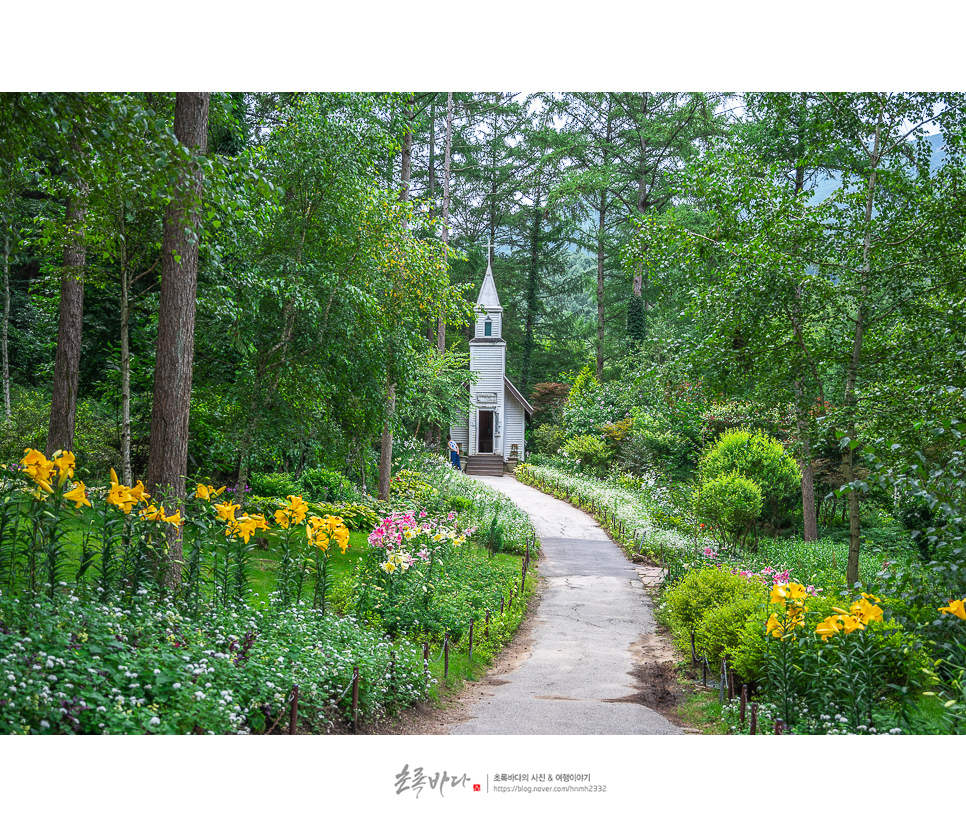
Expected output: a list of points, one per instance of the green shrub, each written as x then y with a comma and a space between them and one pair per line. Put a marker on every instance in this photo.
652, 445
592, 452
730, 503
411, 485
758, 458
273, 484
96, 433
325, 485
357, 516
548, 439
721, 630
689, 600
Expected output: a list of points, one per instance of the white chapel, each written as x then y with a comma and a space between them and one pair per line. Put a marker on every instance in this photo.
491, 434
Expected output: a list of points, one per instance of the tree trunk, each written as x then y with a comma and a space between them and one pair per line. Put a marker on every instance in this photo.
852, 375
601, 228
385, 450
533, 274
809, 518
441, 326
809, 515
125, 366
407, 151
600, 286
168, 458
431, 186
63, 406
7, 412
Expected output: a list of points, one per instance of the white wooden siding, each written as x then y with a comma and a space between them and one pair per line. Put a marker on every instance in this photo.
460, 432
487, 361
480, 330
514, 427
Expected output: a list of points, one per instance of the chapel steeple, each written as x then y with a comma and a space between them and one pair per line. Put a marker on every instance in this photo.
489, 311
492, 431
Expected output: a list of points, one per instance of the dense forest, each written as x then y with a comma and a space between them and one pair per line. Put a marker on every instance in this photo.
791, 261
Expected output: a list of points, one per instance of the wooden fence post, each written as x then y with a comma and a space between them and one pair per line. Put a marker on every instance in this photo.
753, 728
355, 699
445, 655
744, 701
293, 717
471, 640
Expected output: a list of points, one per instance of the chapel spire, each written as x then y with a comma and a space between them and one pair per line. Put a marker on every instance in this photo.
488, 298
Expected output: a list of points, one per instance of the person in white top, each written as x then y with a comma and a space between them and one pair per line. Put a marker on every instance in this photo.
454, 453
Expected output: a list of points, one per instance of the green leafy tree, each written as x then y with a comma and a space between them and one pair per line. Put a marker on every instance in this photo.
809, 288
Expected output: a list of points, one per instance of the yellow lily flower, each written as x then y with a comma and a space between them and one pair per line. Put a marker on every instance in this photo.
775, 626
281, 519
64, 462
957, 607
829, 626
789, 592
866, 611
152, 513
38, 468
174, 520
120, 497
297, 508
226, 510
207, 492
138, 494
851, 623
78, 494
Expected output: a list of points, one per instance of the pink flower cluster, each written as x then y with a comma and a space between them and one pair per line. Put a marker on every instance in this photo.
392, 529
766, 574
407, 537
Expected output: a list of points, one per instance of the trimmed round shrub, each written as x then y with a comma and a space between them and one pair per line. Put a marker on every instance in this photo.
689, 600
720, 631
759, 458
730, 503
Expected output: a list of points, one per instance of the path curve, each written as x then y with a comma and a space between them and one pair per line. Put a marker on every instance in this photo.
592, 620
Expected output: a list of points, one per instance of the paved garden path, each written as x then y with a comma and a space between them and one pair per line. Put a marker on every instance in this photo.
592, 622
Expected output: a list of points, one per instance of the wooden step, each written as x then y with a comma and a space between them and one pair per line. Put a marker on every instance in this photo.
491, 465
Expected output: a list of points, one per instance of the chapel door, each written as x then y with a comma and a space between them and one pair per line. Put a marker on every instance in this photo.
485, 441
